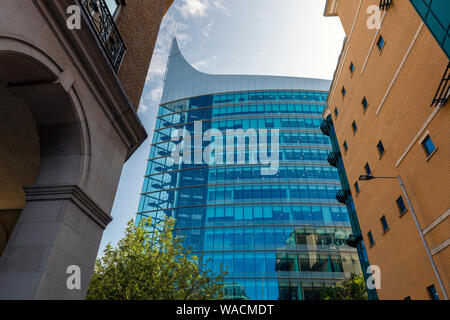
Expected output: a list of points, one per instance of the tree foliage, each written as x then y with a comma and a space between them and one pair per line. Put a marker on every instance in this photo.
353, 288
150, 263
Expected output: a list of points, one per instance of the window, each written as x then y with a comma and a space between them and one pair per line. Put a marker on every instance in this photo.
352, 67
401, 205
357, 190
384, 224
433, 293
336, 113
428, 146
370, 236
380, 148
345, 146
367, 168
364, 103
354, 127
380, 43
343, 91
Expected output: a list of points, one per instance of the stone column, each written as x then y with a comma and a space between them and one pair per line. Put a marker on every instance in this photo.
60, 226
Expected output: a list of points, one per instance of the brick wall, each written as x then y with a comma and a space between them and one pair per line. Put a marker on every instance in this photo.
139, 22
405, 107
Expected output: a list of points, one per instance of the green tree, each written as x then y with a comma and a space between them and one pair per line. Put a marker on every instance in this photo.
353, 288
150, 263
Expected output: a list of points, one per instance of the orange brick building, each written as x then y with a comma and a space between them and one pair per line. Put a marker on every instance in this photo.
379, 102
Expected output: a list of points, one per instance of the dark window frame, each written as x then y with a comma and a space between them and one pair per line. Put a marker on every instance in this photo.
371, 239
384, 224
368, 169
428, 153
354, 127
357, 188
400, 205
432, 292
365, 104
381, 43
352, 67
380, 143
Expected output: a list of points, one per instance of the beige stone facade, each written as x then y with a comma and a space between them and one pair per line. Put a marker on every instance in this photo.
66, 128
399, 83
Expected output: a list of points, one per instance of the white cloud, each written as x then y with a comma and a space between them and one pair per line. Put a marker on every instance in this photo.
161, 52
158, 64
193, 8
154, 96
176, 23
203, 64
207, 31
199, 8
150, 100
143, 108
220, 4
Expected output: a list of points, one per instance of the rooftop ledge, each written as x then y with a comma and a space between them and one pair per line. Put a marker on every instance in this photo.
331, 8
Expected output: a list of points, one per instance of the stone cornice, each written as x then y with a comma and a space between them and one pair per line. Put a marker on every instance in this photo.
91, 62
69, 192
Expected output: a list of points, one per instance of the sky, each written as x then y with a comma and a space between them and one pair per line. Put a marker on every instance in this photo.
259, 37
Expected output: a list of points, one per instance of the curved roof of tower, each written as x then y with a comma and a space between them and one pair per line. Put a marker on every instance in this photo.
183, 81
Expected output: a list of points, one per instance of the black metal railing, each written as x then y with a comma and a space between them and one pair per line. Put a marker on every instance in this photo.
106, 30
443, 91
384, 4
325, 128
341, 196
353, 241
333, 159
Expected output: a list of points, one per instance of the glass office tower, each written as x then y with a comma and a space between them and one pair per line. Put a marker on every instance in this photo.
281, 234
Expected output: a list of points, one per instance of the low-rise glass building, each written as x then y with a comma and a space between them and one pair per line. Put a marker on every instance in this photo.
266, 210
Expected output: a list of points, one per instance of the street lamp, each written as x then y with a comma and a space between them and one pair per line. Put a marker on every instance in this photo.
367, 177
430, 257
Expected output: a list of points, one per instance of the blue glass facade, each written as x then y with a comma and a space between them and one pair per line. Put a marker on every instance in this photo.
280, 236
436, 15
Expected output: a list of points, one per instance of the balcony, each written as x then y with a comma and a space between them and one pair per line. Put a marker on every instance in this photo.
105, 29
333, 159
384, 4
443, 91
325, 128
341, 196
353, 241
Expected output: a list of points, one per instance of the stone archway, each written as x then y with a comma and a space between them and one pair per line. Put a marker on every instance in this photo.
19, 161
59, 225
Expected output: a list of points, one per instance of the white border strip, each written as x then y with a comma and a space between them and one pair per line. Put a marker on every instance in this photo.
441, 247
441, 218
373, 43
400, 67
418, 135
